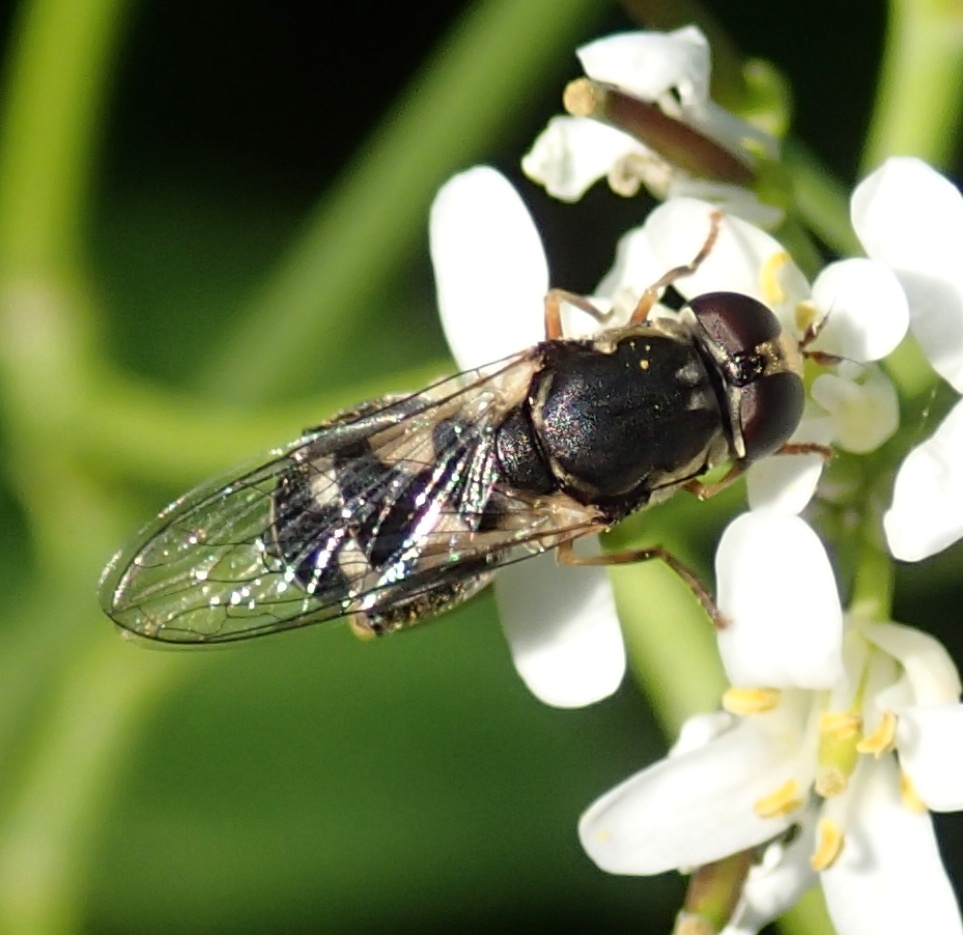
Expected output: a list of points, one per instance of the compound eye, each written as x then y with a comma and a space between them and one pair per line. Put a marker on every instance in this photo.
769, 411
737, 323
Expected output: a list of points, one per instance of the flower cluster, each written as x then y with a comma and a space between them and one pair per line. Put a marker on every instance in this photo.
842, 730
854, 735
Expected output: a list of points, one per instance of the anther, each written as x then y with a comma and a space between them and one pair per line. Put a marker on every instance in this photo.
785, 800
829, 844
743, 701
882, 739
772, 289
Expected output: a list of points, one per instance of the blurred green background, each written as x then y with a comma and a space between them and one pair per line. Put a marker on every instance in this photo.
212, 225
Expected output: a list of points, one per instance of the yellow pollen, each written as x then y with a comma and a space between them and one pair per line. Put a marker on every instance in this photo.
644, 364
744, 701
829, 844
783, 801
911, 799
881, 740
805, 315
579, 98
840, 725
830, 781
769, 277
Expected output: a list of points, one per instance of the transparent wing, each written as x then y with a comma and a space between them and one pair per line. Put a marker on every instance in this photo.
388, 513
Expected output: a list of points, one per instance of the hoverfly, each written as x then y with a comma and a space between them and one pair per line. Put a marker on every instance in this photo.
404, 506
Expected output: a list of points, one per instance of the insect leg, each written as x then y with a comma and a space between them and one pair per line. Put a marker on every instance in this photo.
553, 311
805, 448
705, 491
567, 556
819, 357
651, 294
812, 332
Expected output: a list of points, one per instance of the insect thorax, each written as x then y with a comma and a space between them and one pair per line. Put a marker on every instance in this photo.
614, 424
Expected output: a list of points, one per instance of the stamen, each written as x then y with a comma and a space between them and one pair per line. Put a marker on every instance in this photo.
908, 793
579, 98
840, 725
783, 801
829, 844
769, 278
882, 739
838, 736
633, 170
743, 701
805, 316
831, 781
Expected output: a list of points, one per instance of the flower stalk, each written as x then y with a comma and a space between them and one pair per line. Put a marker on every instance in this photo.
713, 893
675, 141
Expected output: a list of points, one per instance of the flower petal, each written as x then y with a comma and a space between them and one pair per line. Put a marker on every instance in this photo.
866, 308
936, 317
491, 273
572, 153
733, 199
776, 587
911, 218
637, 266
906, 214
647, 64
927, 664
865, 411
699, 729
930, 744
888, 878
690, 809
561, 625
927, 511
743, 259
786, 483
650, 64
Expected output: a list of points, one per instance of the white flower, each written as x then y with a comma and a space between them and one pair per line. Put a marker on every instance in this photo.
852, 742
911, 218
859, 303
492, 276
671, 70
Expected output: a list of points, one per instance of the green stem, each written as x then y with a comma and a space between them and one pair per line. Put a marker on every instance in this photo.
670, 641
873, 583
671, 644
808, 917
714, 891
82, 737
821, 199
919, 94
138, 429
56, 81
374, 216
64, 711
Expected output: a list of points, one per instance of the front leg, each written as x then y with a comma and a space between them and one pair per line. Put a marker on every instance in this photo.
652, 293
553, 311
